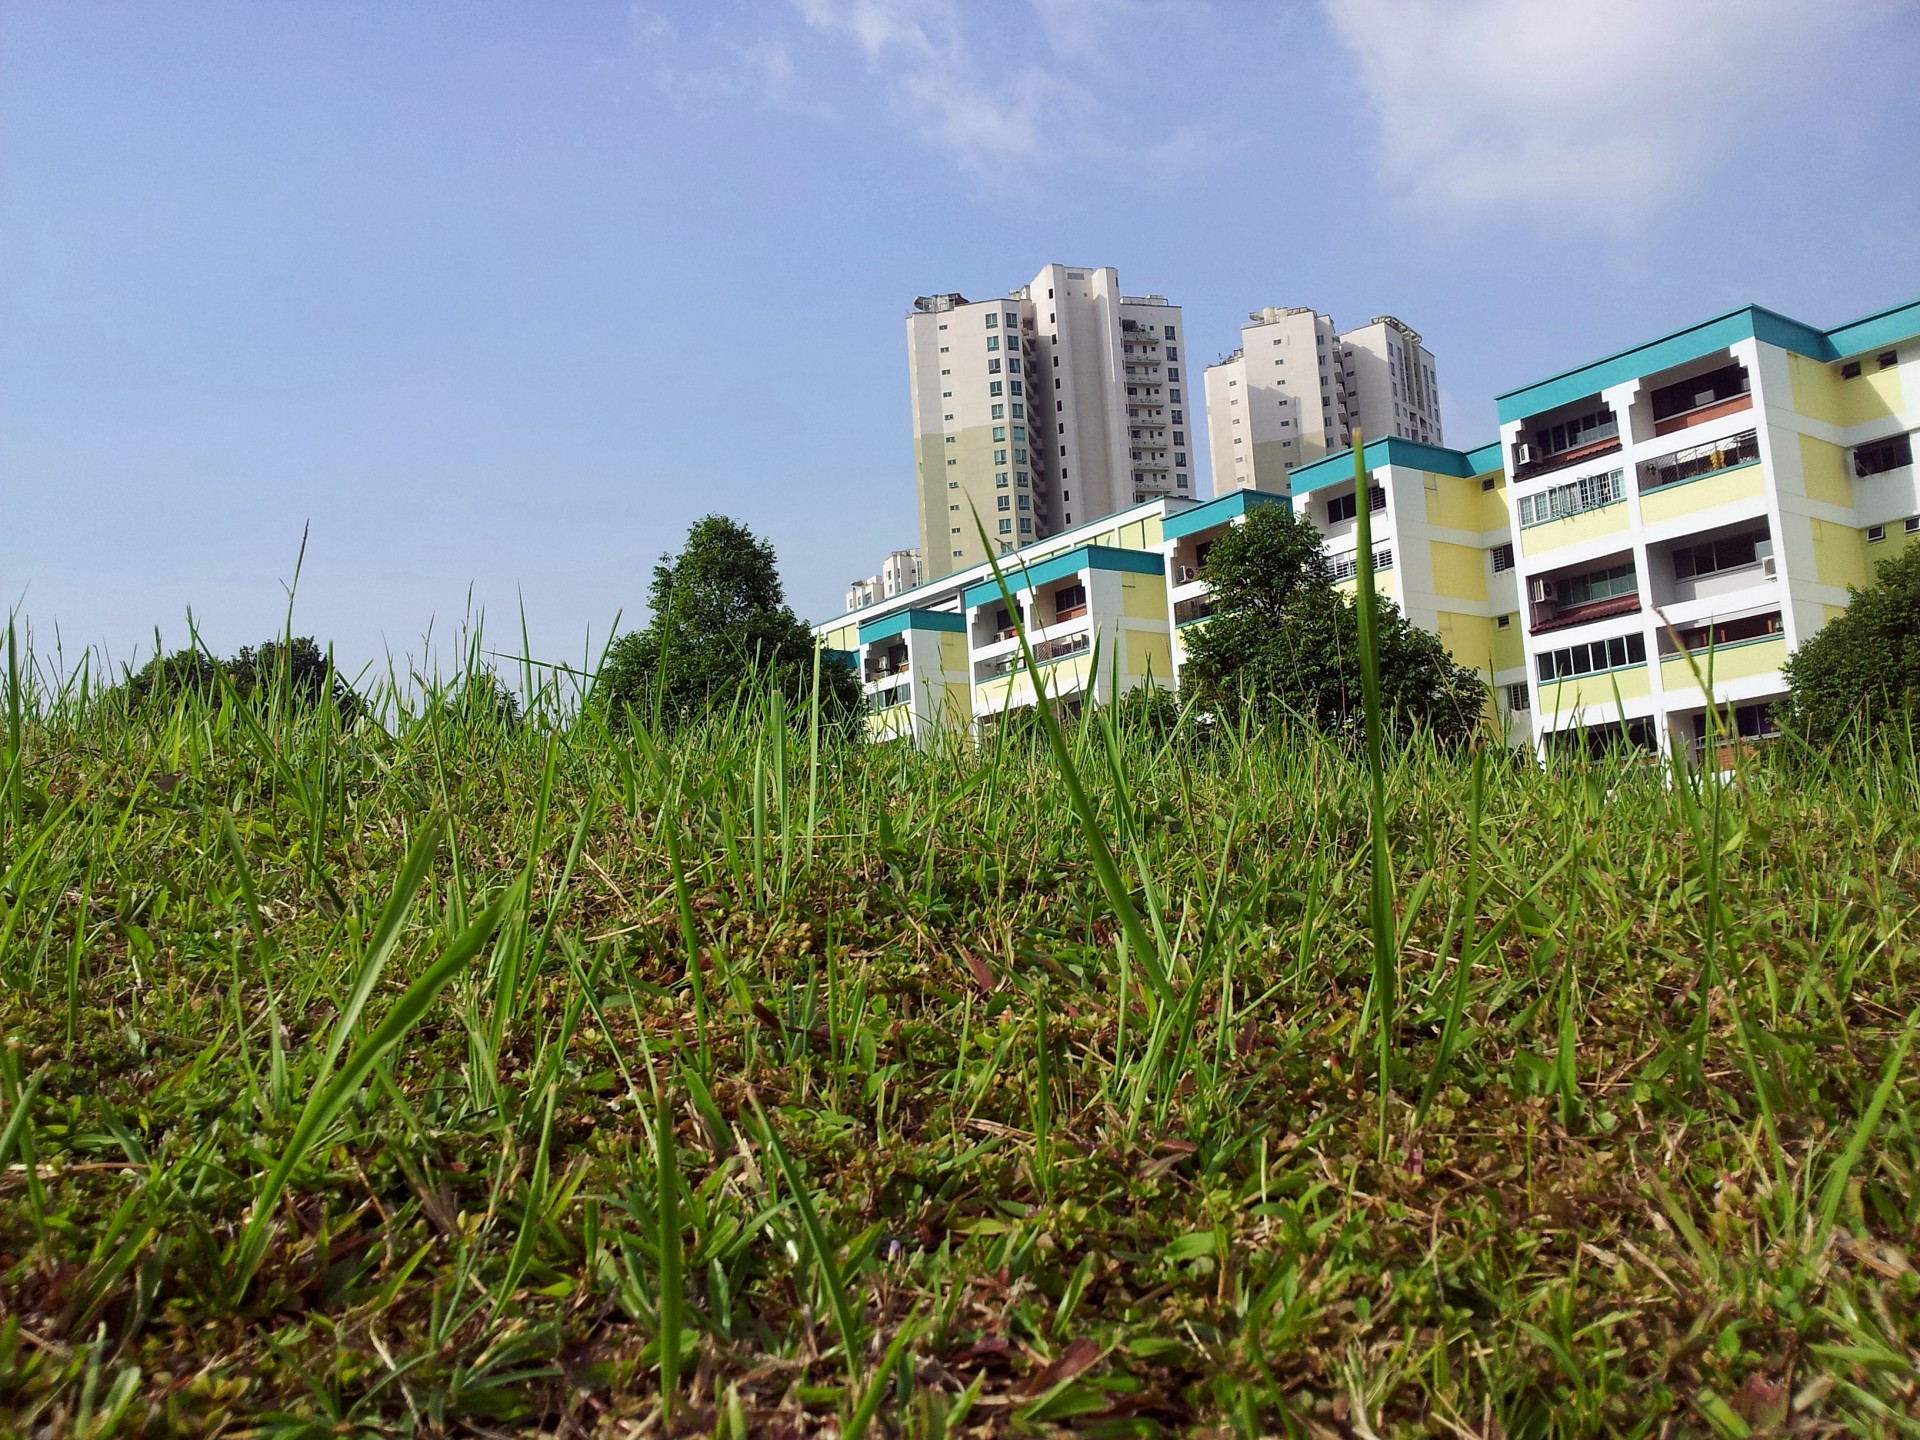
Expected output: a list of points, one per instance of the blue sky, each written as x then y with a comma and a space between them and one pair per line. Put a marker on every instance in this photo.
499, 298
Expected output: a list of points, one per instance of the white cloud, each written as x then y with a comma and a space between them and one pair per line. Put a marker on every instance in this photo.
1581, 111
986, 107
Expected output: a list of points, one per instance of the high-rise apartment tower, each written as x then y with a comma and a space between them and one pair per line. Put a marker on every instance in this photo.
1061, 403
1291, 393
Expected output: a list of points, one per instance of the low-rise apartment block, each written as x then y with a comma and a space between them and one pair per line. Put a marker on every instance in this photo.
1645, 544
899, 573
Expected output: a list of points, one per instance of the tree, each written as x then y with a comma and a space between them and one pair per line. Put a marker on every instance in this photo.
1863, 670
1284, 642
301, 666
165, 678
720, 627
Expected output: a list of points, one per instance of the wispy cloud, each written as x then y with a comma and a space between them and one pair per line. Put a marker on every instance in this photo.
992, 106
760, 71
1598, 112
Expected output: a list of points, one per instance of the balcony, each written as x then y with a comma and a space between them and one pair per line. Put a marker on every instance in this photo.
1547, 443
1607, 445
1701, 460
1187, 612
1699, 398
1549, 617
1047, 652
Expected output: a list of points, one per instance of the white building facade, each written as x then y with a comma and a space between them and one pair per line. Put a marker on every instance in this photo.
1057, 405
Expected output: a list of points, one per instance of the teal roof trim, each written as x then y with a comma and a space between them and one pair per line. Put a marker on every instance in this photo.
1059, 567
1221, 510
1393, 450
1876, 331
849, 658
1901, 322
902, 621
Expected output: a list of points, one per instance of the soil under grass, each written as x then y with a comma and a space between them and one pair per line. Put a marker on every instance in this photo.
942, 1154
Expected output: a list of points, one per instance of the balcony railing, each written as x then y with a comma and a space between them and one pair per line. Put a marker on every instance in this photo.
1691, 464
1044, 654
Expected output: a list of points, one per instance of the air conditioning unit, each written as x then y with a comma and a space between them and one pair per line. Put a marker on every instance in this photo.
1186, 574
1769, 567
1543, 592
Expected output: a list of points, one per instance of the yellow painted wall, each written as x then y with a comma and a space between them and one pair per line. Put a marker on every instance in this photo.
1148, 654
1143, 597
1728, 662
847, 637
1509, 652
1459, 571
1819, 391
1453, 502
1825, 469
1839, 554
1468, 638
1890, 548
1563, 697
1494, 514
1574, 530
1691, 496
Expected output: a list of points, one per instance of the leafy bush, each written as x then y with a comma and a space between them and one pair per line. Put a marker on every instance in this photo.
1863, 670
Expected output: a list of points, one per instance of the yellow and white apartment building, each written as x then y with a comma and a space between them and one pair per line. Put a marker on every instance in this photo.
1662, 522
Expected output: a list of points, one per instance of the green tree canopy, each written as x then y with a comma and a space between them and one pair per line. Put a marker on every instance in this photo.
299, 664
720, 626
1283, 642
305, 669
1863, 670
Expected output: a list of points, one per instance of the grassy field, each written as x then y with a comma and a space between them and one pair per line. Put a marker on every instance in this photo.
446, 1077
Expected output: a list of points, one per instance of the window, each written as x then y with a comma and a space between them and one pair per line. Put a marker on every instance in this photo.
993, 387
1730, 552
993, 342
1887, 359
1911, 525
1594, 657
1179, 418
1597, 585
993, 367
999, 432
1006, 527
1026, 502
953, 507
1342, 507
1732, 632
1348, 566
1488, 483
1167, 330
1883, 455
1517, 697
1069, 598
1179, 457
1001, 502
1020, 479
1019, 455
1502, 558
1019, 412
1000, 480
1678, 398
1180, 480
1026, 526
1011, 321
1173, 372
1850, 370
946, 417
1173, 394
1504, 622
1590, 492
1000, 457
1876, 532
953, 484
1173, 352
1574, 434
953, 462
1019, 432
1016, 387
1013, 365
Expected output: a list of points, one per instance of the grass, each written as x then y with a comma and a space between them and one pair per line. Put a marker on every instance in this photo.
440, 1076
